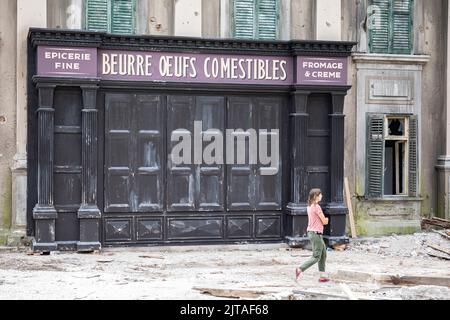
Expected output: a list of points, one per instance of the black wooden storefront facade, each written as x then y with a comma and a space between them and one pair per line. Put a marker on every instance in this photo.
99, 171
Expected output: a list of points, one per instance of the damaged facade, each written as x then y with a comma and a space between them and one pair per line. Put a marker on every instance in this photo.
392, 144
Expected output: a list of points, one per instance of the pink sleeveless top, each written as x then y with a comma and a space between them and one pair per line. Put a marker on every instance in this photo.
314, 222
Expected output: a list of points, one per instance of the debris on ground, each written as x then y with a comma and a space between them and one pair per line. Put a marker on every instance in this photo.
339, 247
233, 293
444, 233
373, 268
434, 221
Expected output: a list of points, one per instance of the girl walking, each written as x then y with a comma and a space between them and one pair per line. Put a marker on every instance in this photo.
316, 221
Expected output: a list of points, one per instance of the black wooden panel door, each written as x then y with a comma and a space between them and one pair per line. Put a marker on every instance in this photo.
67, 162
240, 176
149, 180
268, 175
249, 185
211, 111
118, 152
180, 177
318, 142
133, 151
195, 185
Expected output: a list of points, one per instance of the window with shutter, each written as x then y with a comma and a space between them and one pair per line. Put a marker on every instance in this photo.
255, 19
267, 13
379, 26
114, 16
97, 15
401, 26
392, 155
244, 19
122, 13
375, 155
390, 26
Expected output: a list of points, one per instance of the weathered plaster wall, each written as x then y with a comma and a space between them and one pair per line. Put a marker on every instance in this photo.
429, 39
349, 33
302, 19
434, 90
211, 18
188, 18
328, 19
7, 110
65, 14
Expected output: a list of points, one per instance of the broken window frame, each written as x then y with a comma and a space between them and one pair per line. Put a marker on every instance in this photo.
377, 134
404, 139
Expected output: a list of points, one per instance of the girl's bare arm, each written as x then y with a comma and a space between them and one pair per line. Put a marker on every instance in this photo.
323, 218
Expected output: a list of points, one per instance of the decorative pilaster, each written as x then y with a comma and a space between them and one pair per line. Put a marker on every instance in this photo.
334, 232
44, 213
296, 209
89, 214
337, 148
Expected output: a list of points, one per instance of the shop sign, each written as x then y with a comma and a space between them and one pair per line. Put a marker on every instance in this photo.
66, 62
321, 71
194, 67
156, 66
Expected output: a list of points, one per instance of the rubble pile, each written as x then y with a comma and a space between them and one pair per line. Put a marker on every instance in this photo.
435, 244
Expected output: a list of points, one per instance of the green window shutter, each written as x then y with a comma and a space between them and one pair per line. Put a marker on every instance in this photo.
390, 28
244, 19
401, 26
379, 13
412, 156
267, 13
97, 15
375, 155
123, 17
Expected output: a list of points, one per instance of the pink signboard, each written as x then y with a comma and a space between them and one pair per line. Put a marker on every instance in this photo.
66, 62
157, 66
321, 71
194, 67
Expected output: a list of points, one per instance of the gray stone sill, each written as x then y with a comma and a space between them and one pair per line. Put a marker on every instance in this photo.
394, 199
408, 59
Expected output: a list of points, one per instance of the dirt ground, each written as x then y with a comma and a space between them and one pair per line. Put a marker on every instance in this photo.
256, 271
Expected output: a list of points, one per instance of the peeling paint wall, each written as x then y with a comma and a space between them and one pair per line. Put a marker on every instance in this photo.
188, 18
211, 18
8, 10
433, 101
429, 39
302, 19
349, 33
298, 21
65, 14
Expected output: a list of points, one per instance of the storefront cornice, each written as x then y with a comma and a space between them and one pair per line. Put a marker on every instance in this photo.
64, 81
41, 36
44, 36
322, 48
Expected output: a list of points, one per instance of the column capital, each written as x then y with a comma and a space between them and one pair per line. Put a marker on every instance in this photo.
88, 87
300, 102
89, 96
44, 85
337, 98
45, 95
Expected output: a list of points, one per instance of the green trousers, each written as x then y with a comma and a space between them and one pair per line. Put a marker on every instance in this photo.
319, 252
